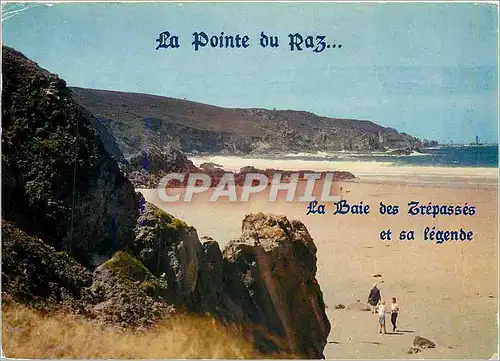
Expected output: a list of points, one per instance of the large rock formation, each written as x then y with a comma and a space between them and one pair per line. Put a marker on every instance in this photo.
264, 281
270, 273
58, 181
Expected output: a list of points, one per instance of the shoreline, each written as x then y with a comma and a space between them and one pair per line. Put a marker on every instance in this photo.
369, 172
230, 162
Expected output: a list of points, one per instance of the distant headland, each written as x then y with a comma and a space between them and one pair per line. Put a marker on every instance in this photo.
200, 128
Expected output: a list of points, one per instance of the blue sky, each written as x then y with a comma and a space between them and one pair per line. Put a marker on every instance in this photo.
429, 70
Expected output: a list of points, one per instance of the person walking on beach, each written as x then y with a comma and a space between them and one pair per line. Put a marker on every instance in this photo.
374, 297
394, 313
381, 316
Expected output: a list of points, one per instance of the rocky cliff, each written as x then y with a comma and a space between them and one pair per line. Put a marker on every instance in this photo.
137, 119
58, 181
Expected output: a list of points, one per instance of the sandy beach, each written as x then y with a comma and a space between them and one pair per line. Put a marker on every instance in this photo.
447, 292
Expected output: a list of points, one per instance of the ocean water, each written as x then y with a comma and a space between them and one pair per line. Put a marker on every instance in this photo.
441, 156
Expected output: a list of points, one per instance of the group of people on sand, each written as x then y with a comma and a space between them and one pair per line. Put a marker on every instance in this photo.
378, 306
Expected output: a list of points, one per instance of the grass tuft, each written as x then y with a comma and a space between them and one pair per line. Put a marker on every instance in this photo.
127, 266
29, 334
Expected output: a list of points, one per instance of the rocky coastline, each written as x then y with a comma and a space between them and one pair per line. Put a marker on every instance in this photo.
73, 238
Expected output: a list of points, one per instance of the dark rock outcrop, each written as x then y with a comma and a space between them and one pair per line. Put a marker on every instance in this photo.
423, 343
34, 273
140, 177
419, 344
146, 168
210, 165
286, 175
58, 181
161, 159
